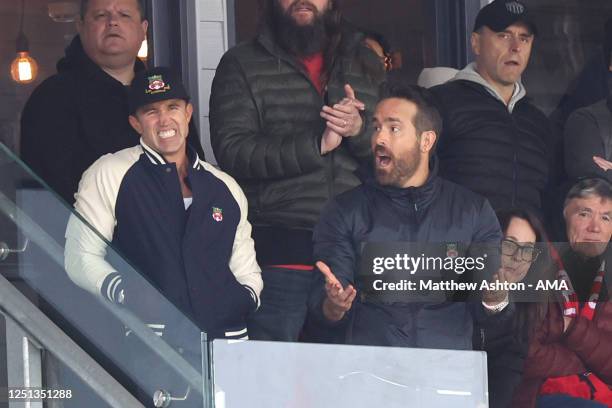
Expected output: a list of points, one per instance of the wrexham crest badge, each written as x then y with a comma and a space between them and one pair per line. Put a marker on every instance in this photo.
157, 85
452, 250
217, 214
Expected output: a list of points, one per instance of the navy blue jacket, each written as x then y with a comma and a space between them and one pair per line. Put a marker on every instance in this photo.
437, 212
201, 259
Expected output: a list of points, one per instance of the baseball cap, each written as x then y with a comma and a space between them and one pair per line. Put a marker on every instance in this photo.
154, 85
500, 14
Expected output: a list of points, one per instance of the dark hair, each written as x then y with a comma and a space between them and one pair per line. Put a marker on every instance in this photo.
427, 116
385, 61
140, 3
529, 315
588, 187
379, 38
506, 215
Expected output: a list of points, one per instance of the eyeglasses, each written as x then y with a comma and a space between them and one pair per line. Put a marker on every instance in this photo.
527, 253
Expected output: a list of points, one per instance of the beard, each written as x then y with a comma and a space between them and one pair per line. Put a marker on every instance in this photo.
400, 168
296, 39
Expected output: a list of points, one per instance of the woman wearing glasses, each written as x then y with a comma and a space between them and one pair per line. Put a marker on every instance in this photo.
530, 364
522, 245
569, 361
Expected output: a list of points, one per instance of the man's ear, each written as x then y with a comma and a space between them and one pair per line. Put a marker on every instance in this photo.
189, 110
428, 140
79, 25
145, 25
135, 124
475, 42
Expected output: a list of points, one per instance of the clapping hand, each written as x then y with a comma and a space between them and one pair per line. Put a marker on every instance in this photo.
343, 120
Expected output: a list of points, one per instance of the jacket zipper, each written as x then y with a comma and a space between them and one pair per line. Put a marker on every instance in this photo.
515, 147
329, 158
329, 176
514, 159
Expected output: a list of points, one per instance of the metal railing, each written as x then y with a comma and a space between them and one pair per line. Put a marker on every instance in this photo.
51, 338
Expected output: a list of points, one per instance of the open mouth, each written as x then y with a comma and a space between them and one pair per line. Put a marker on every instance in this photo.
512, 63
166, 134
382, 158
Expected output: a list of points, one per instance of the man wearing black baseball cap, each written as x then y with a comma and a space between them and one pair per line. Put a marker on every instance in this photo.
495, 141
499, 15
178, 220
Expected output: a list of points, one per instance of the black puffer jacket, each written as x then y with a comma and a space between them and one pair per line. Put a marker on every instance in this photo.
506, 157
73, 118
266, 132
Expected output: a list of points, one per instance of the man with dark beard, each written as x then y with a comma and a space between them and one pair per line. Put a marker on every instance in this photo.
406, 203
290, 120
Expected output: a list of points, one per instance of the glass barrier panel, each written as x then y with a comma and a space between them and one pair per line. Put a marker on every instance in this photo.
316, 375
140, 337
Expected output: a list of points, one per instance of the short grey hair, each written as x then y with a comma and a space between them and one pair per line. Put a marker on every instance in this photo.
140, 3
589, 187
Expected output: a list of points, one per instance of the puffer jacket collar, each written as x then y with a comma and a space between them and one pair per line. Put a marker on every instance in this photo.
266, 39
483, 90
416, 198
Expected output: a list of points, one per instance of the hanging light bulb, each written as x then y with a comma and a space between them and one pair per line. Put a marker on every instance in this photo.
143, 52
24, 68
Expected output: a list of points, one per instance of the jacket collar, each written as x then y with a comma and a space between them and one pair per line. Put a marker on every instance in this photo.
157, 159
469, 73
415, 197
266, 39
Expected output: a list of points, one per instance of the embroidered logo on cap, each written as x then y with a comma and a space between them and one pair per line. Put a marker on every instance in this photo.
217, 214
515, 7
156, 85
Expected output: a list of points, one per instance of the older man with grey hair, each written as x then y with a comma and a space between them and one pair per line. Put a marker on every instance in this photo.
571, 348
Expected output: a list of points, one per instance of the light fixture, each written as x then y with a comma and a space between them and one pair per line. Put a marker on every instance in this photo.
64, 11
24, 68
143, 52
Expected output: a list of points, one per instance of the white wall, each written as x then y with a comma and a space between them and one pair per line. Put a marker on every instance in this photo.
209, 29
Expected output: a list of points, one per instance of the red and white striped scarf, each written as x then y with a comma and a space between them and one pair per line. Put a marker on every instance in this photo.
571, 303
